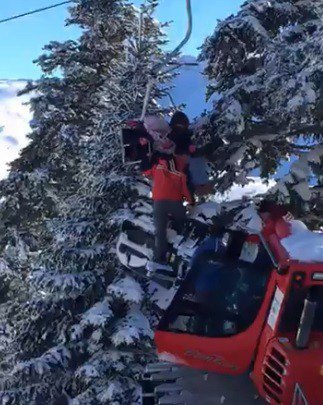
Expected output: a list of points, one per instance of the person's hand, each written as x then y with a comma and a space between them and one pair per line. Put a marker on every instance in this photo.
190, 208
143, 141
288, 217
132, 124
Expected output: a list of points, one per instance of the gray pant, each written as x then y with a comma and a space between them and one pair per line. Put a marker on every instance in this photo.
162, 210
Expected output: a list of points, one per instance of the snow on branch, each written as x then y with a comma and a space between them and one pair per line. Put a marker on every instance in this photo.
53, 359
5, 270
132, 329
102, 363
67, 283
114, 391
265, 64
99, 315
117, 389
127, 289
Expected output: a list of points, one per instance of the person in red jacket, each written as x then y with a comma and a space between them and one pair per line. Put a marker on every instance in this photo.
169, 192
270, 209
276, 218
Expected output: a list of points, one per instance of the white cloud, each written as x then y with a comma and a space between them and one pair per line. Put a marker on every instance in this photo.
14, 120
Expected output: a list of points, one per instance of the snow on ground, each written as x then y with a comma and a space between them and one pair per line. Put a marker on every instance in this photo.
198, 387
219, 389
303, 244
14, 121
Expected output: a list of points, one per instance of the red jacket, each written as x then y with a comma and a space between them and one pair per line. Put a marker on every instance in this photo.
168, 183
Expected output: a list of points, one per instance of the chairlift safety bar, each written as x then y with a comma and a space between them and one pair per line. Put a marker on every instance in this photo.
123, 150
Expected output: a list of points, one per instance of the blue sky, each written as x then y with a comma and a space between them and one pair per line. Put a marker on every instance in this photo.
23, 39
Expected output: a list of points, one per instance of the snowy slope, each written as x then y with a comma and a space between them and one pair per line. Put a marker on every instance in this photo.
14, 119
190, 88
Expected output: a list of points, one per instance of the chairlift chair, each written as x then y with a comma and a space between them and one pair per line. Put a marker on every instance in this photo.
132, 150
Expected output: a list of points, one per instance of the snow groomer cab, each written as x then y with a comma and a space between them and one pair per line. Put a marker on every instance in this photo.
250, 303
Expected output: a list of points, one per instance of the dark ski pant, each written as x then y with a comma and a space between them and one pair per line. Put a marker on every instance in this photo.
162, 210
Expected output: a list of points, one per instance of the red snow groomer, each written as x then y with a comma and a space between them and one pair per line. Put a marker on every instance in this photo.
248, 306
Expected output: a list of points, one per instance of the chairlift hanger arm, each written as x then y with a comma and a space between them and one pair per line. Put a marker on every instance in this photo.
168, 58
189, 30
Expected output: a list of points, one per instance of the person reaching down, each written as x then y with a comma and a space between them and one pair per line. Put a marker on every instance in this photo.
191, 159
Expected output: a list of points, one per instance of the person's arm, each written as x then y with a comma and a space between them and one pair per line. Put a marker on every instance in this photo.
208, 149
149, 172
288, 217
185, 191
183, 142
278, 211
147, 163
140, 132
190, 147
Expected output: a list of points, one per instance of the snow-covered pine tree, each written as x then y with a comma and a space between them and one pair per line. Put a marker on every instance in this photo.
266, 69
81, 333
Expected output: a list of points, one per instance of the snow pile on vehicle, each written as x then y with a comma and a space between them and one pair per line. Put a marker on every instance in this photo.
303, 244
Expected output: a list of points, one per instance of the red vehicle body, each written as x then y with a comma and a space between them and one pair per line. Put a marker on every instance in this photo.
285, 367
